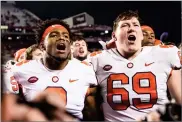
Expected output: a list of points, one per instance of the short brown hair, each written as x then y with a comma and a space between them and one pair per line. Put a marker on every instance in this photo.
125, 16
29, 50
79, 38
76, 37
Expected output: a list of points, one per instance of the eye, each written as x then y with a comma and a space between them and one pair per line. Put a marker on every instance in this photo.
77, 45
145, 34
53, 35
136, 25
152, 36
66, 36
124, 25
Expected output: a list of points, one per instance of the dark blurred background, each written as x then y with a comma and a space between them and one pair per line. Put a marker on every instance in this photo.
91, 19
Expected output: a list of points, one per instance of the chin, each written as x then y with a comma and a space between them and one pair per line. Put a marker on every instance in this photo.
82, 56
133, 49
61, 57
64, 57
150, 45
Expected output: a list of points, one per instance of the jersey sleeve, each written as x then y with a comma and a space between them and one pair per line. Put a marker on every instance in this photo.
174, 58
92, 59
90, 76
10, 83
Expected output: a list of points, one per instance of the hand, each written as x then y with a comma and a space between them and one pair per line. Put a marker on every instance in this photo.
12, 110
151, 117
111, 44
167, 112
59, 113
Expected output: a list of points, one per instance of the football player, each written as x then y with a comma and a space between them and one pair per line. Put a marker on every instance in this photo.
133, 78
55, 72
80, 50
149, 36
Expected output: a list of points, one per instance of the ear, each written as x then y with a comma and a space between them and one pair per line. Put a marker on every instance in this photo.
113, 36
42, 46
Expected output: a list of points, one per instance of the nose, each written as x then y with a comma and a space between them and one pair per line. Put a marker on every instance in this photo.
61, 37
150, 37
81, 47
131, 29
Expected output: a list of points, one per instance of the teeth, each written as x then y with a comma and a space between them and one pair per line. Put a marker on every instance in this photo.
131, 36
81, 51
61, 44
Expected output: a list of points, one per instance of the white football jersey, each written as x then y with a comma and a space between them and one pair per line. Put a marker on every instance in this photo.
71, 83
131, 89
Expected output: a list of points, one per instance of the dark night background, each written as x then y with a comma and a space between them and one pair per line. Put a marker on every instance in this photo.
160, 15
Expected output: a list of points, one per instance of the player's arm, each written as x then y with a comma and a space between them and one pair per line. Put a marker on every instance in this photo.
174, 81
167, 112
92, 110
174, 85
89, 111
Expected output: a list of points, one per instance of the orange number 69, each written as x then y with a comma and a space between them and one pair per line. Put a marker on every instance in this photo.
124, 79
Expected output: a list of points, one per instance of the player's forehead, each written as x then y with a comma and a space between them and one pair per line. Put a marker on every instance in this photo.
59, 30
78, 42
148, 31
131, 20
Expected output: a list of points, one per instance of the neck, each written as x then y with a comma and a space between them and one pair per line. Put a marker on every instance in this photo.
129, 55
81, 58
54, 64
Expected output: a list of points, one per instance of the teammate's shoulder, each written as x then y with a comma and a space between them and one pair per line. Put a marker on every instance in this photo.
96, 53
147, 48
23, 63
81, 66
76, 62
25, 66
166, 48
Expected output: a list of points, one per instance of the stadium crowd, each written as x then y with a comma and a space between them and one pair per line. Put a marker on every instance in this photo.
133, 76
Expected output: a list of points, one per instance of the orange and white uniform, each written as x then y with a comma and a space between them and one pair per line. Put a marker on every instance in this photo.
131, 89
71, 83
158, 42
6, 72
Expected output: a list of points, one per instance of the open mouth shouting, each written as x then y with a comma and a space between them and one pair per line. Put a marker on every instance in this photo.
81, 51
131, 39
61, 47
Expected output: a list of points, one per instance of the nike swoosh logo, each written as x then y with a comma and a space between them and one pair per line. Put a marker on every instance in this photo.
72, 80
148, 64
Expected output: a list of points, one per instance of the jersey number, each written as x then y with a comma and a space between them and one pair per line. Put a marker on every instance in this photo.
60, 91
14, 84
123, 94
